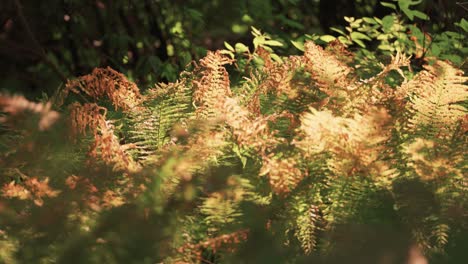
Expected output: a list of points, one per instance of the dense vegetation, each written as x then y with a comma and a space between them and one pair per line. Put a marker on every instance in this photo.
341, 145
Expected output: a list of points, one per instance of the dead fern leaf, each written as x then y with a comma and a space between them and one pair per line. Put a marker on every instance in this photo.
213, 86
434, 97
106, 144
354, 142
109, 83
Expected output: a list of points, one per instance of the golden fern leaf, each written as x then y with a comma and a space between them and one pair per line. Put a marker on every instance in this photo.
249, 131
354, 142
283, 174
201, 144
330, 73
213, 86
430, 160
111, 152
435, 95
108, 83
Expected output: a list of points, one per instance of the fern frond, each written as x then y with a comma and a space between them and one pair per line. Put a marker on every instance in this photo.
248, 130
354, 142
109, 83
283, 174
306, 218
192, 252
163, 108
219, 210
435, 95
331, 74
33, 189
279, 78
344, 196
106, 144
213, 86
430, 161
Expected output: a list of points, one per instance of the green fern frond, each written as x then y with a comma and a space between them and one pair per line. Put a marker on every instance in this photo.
164, 107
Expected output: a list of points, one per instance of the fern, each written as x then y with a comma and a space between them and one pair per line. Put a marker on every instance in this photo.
294, 154
164, 107
435, 95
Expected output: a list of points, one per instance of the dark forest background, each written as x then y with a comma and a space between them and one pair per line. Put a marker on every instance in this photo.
44, 43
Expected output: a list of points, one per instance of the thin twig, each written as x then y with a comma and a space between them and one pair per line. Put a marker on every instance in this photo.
462, 5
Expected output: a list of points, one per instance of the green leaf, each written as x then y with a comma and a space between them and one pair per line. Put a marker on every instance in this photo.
389, 5
453, 58
338, 30
463, 24
257, 41
384, 47
435, 49
405, 7
387, 23
258, 61
298, 44
327, 38
344, 40
276, 58
290, 23
378, 20
369, 20
420, 15
229, 53
358, 35
359, 42
228, 46
273, 43
255, 31
195, 14
241, 48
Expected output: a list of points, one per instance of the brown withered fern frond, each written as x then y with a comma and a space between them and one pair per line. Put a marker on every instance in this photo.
330, 74
18, 105
192, 252
106, 144
213, 86
102, 83
31, 188
283, 173
375, 90
354, 142
434, 99
279, 78
249, 131
337, 80
87, 116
